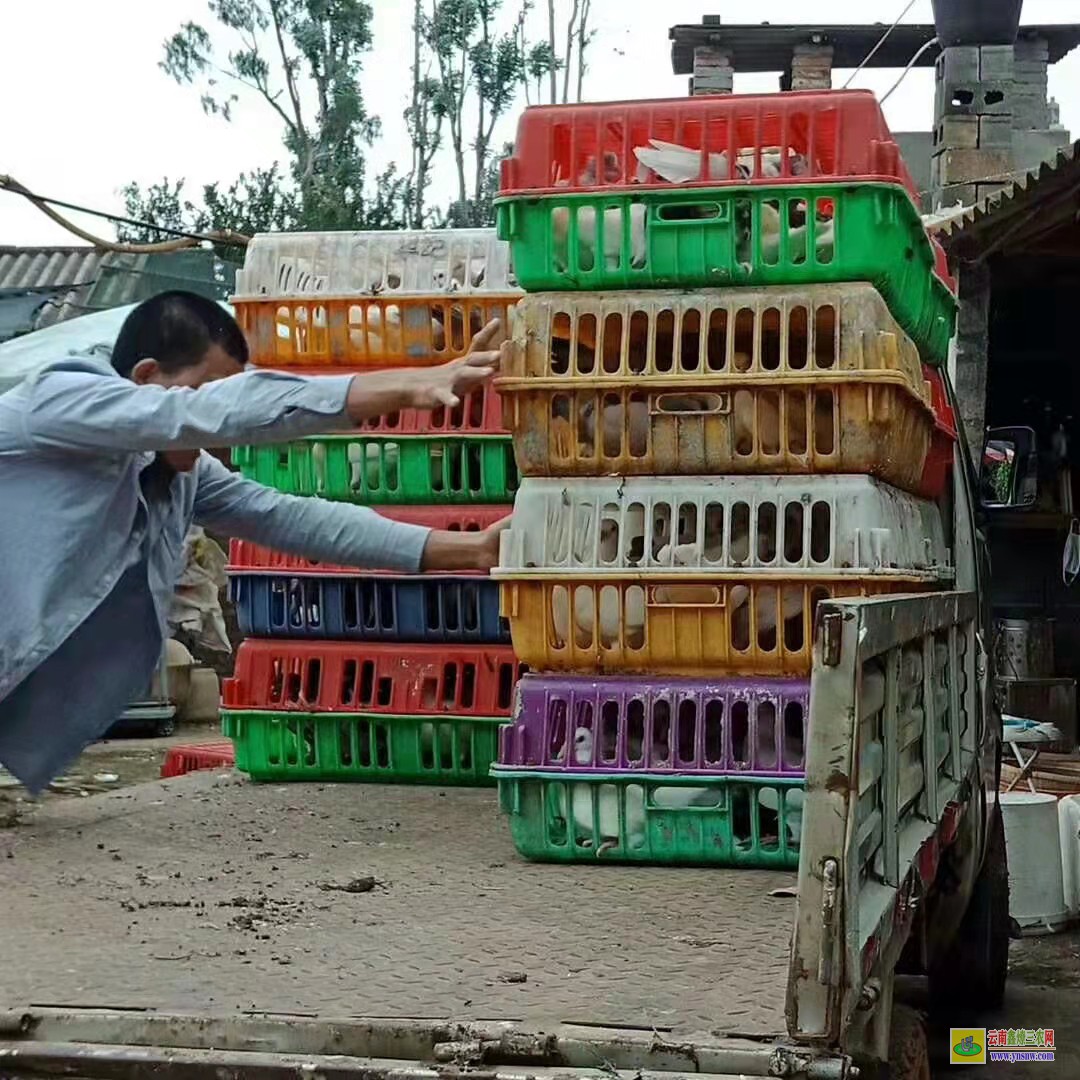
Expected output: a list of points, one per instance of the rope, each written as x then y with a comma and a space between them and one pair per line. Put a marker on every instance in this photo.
884, 37
185, 239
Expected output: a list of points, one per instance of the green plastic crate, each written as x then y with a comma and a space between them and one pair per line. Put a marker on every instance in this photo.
366, 747
714, 238
417, 469
727, 824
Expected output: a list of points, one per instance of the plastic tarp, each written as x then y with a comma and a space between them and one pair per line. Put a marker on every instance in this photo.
95, 333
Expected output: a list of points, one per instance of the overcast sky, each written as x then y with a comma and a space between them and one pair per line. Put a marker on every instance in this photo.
87, 109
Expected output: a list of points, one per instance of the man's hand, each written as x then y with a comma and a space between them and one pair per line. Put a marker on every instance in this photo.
379, 393
447, 550
447, 384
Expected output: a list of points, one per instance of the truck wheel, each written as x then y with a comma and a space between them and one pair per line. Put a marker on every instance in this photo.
974, 968
909, 1056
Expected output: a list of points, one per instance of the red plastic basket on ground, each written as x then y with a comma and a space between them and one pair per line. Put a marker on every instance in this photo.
181, 760
404, 680
246, 557
939, 461
811, 136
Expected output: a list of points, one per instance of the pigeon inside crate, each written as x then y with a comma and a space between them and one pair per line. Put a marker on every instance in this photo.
343, 331
682, 730
615, 817
768, 232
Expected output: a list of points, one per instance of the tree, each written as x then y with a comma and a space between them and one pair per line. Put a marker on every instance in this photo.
255, 202
303, 59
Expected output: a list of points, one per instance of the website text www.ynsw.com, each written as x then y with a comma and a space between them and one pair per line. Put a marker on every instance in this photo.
978, 1046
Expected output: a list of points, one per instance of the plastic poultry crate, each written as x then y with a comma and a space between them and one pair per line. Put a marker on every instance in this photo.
810, 527
181, 760
244, 556
692, 624
375, 748
818, 379
479, 413
377, 470
682, 726
939, 461
401, 680
802, 137
748, 236
640, 818
356, 299
424, 608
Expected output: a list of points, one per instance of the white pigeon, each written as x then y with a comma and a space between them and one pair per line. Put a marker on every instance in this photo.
603, 834
793, 804
613, 231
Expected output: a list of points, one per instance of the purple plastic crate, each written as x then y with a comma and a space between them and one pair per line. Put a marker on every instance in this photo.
710, 726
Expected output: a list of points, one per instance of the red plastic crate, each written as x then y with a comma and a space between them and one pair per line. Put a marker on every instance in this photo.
479, 413
181, 760
839, 135
941, 267
939, 461
402, 680
246, 557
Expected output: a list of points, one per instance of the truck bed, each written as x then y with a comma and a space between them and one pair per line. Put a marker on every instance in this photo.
210, 893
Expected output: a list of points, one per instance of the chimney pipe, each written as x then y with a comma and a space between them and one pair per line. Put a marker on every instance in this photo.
977, 22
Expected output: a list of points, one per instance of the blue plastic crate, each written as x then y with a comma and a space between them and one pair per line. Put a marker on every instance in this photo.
430, 609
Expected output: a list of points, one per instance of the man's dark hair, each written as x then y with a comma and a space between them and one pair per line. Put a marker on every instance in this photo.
176, 329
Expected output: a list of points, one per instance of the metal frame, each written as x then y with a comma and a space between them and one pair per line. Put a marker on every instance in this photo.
854, 916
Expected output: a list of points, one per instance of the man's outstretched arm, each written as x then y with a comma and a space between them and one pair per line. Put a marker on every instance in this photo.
332, 532
70, 408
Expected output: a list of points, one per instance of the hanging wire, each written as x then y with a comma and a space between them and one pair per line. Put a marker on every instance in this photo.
911, 63
881, 41
185, 239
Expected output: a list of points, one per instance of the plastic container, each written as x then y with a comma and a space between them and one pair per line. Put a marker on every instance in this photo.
469, 262
802, 137
747, 236
832, 527
1036, 887
639, 818
246, 556
811, 380
694, 624
1069, 828
376, 748
370, 299
939, 461
426, 608
376, 470
682, 726
401, 680
181, 760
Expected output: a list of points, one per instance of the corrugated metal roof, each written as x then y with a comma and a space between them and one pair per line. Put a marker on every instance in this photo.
1055, 183
763, 47
75, 280
69, 273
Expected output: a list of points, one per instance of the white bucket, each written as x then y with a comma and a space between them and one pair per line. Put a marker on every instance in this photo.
1036, 888
1069, 826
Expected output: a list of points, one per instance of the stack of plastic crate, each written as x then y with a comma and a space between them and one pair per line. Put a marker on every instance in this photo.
350, 674
721, 416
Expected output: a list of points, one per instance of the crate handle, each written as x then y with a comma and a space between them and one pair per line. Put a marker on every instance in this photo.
506, 221
710, 404
677, 596
692, 213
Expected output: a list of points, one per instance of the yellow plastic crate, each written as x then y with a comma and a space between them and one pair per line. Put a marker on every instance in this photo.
818, 379
691, 624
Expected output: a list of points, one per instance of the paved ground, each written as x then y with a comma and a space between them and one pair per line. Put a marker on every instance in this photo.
208, 892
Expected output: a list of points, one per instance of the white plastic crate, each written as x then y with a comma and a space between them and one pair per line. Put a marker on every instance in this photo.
787, 526
403, 263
